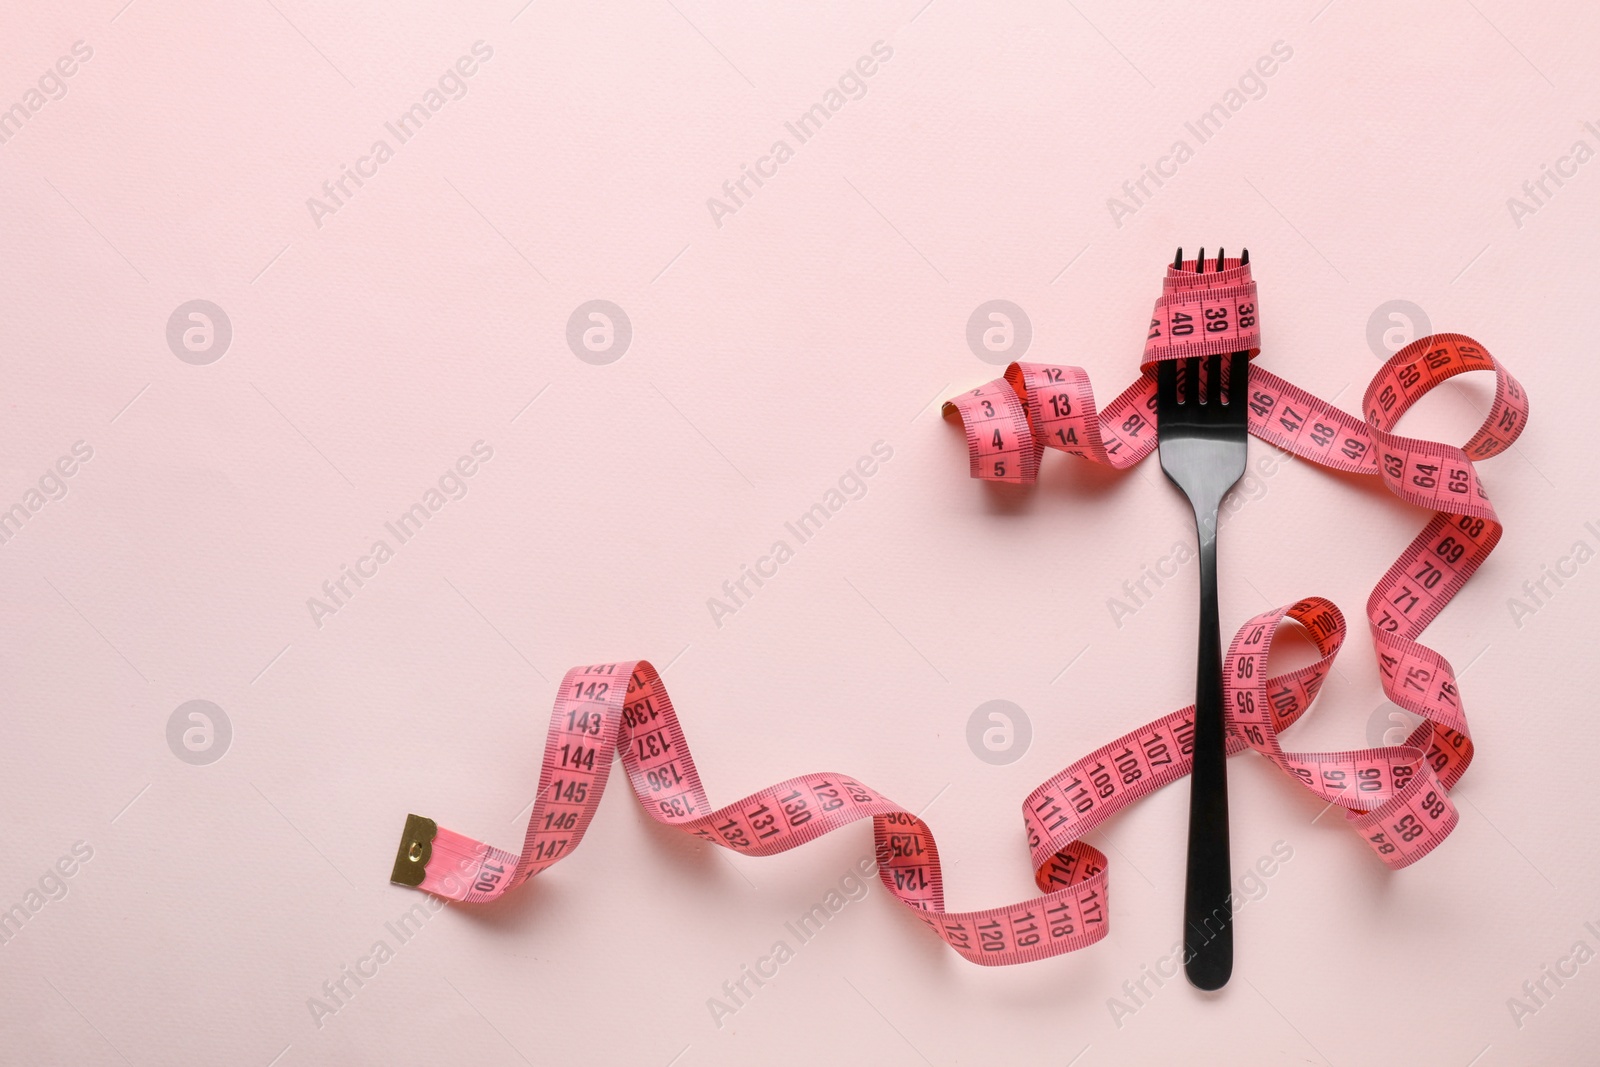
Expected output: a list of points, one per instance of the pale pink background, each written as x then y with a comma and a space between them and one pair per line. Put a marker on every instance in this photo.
768, 354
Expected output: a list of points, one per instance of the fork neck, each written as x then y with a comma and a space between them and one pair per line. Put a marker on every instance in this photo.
1205, 523
1207, 517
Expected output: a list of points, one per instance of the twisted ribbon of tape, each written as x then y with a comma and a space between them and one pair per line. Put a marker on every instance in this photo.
1396, 796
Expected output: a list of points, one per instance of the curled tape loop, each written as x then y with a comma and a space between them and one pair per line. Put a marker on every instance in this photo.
1396, 797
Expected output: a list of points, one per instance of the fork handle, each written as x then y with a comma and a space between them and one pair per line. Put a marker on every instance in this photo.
1207, 892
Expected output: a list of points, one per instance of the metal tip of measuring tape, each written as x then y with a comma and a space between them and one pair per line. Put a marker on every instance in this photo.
416, 847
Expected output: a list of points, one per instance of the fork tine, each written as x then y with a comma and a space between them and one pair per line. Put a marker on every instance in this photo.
1166, 384
1167, 369
1200, 261
1237, 374
1244, 257
1190, 393
1214, 367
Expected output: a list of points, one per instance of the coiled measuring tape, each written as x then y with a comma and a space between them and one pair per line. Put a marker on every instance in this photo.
1396, 797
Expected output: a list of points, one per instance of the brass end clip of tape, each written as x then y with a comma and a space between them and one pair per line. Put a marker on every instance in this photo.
416, 847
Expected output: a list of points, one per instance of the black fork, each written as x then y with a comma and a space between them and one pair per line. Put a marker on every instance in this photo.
1204, 443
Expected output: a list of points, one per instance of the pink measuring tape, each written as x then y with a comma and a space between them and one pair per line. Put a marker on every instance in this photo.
1396, 797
